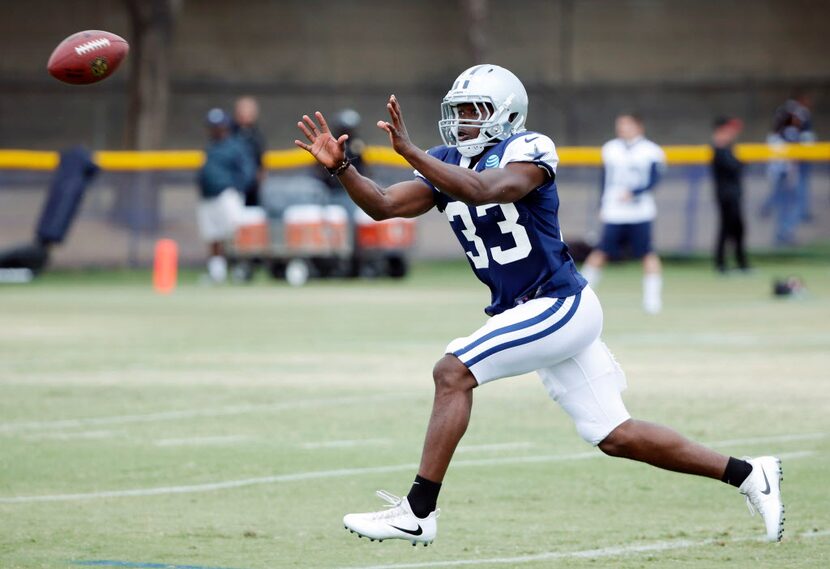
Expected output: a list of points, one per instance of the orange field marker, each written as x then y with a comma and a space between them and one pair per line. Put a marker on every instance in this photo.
165, 266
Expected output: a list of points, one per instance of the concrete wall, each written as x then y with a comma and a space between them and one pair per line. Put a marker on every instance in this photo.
680, 62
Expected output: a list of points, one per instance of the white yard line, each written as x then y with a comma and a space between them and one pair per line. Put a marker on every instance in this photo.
770, 439
599, 553
500, 446
59, 424
198, 441
796, 454
73, 435
312, 475
293, 477
349, 443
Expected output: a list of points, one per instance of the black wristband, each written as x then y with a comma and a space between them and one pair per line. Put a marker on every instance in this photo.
341, 168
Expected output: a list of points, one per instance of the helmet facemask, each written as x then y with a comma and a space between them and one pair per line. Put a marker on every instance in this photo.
494, 123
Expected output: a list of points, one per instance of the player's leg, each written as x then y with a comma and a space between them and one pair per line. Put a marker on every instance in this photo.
517, 341
664, 448
723, 225
414, 517
588, 387
738, 226
608, 247
758, 479
451, 408
212, 228
641, 247
217, 264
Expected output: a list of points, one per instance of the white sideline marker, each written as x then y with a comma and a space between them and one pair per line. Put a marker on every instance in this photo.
313, 475
598, 553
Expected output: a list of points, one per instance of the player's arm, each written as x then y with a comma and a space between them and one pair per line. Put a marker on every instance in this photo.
405, 199
495, 185
653, 178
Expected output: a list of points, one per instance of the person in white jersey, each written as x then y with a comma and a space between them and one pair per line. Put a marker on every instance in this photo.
632, 166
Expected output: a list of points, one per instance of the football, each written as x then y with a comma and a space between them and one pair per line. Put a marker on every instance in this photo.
87, 57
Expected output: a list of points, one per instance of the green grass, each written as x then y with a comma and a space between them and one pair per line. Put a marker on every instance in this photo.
268, 380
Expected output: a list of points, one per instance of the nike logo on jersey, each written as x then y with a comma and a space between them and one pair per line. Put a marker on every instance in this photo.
767, 491
529, 139
418, 531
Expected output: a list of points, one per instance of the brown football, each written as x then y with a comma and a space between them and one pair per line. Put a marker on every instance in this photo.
87, 57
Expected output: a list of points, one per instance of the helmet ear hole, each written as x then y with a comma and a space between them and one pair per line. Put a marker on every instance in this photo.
512, 117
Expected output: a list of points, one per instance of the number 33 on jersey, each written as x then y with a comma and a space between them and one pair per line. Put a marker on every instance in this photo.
516, 249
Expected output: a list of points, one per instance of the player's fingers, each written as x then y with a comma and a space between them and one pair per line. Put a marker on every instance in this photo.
385, 126
342, 140
393, 114
397, 105
302, 145
310, 123
324, 126
306, 132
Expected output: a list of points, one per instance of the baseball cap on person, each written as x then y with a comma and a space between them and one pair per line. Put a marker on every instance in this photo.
217, 117
729, 121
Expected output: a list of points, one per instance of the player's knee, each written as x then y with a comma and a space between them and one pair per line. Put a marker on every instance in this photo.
450, 374
619, 441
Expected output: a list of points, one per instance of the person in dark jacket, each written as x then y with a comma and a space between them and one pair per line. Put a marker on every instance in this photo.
727, 173
226, 171
245, 128
346, 121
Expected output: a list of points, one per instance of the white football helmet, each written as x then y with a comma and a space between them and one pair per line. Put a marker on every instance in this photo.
501, 102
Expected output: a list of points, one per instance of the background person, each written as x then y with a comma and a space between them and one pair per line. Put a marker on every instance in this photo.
789, 197
798, 107
246, 129
632, 165
346, 121
727, 173
227, 168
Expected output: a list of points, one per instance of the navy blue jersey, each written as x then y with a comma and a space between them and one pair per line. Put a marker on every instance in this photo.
516, 249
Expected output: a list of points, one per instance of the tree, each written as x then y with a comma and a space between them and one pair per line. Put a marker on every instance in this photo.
152, 25
475, 15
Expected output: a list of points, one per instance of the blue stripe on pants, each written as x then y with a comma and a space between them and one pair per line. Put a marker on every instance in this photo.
526, 340
544, 315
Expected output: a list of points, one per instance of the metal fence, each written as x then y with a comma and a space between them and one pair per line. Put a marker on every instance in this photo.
141, 197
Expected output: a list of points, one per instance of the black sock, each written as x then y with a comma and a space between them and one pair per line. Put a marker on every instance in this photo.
423, 497
736, 471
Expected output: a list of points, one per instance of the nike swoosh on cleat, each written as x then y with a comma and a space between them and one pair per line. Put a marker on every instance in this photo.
418, 531
767, 491
528, 139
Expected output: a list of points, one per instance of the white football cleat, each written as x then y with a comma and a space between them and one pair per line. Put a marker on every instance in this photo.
762, 489
395, 522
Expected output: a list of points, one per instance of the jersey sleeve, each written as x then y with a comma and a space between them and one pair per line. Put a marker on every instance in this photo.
660, 157
534, 148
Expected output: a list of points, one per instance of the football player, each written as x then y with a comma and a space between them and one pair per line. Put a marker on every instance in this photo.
632, 165
495, 181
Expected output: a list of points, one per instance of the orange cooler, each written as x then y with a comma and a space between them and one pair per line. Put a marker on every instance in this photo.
305, 228
396, 233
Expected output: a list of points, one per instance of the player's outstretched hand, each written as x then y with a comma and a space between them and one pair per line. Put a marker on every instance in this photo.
327, 150
396, 129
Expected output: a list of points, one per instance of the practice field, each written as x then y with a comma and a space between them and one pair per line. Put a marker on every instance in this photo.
234, 426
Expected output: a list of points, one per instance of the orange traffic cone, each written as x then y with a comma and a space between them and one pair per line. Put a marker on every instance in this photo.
165, 266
